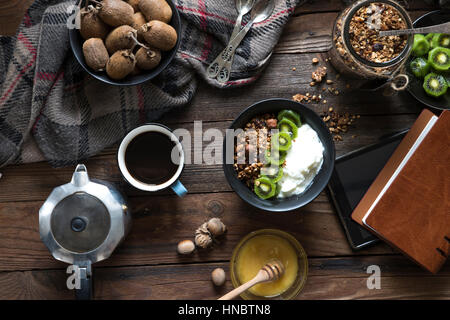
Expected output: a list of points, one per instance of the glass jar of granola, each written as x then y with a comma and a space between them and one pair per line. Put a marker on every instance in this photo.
357, 50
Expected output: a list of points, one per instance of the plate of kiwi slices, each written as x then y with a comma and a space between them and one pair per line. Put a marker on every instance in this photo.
429, 63
125, 42
286, 116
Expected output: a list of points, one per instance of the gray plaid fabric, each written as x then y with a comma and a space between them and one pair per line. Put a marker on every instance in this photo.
51, 109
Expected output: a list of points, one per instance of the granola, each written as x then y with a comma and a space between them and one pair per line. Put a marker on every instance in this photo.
250, 147
363, 32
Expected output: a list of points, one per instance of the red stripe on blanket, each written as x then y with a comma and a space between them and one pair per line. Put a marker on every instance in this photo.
142, 117
30, 47
27, 20
204, 23
273, 17
46, 76
234, 82
27, 43
208, 14
59, 77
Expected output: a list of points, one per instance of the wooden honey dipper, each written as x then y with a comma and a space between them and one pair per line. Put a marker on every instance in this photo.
271, 271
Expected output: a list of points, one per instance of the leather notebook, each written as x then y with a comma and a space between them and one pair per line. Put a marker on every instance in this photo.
408, 204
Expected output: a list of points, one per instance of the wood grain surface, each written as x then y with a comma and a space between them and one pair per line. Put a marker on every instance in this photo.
146, 265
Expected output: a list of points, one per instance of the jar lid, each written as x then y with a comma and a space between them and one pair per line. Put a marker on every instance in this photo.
82, 220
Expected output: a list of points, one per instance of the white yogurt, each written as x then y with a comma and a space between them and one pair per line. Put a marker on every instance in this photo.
303, 161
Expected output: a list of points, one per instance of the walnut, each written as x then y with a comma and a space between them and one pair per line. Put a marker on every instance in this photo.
272, 123
319, 74
203, 238
216, 227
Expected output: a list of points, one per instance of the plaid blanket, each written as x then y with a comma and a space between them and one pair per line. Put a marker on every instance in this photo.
51, 109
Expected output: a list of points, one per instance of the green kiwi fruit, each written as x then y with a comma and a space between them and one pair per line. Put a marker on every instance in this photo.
264, 188
121, 38
147, 59
435, 85
420, 67
156, 10
274, 173
447, 77
275, 158
283, 140
159, 35
439, 58
120, 64
286, 125
291, 115
429, 37
420, 45
91, 26
95, 54
440, 40
116, 13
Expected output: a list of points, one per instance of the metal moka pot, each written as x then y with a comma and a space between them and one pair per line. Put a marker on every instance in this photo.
81, 223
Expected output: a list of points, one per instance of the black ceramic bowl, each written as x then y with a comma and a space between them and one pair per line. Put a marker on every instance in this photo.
321, 179
76, 43
415, 87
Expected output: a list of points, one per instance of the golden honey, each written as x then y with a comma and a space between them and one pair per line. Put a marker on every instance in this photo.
259, 250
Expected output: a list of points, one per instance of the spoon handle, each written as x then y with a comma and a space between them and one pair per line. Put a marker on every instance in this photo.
262, 276
227, 55
439, 28
213, 69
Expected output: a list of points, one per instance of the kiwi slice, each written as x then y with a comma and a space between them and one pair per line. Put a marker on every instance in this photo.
274, 173
440, 40
439, 58
420, 46
275, 158
435, 85
286, 125
291, 115
429, 37
283, 140
419, 67
264, 188
447, 77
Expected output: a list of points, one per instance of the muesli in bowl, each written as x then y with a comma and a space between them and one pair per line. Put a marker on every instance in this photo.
279, 155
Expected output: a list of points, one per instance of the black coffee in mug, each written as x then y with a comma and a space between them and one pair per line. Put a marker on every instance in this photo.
148, 158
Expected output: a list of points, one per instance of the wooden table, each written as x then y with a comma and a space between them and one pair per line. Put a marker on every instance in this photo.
146, 265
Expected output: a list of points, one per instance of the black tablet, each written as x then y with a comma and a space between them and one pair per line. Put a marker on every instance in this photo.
352, 176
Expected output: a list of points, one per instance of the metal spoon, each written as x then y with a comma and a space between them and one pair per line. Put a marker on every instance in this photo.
243, 7
439, 28
260, 12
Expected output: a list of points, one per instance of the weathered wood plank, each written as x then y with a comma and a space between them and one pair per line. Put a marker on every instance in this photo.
316, 6
35, 181
160, 222
336, 278
11, 15
280, 81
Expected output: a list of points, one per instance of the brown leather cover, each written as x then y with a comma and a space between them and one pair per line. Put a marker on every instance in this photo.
414, 213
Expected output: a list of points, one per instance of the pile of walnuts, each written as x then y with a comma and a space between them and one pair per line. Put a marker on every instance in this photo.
125, 37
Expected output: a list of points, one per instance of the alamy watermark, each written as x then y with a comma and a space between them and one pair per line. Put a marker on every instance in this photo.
374, 280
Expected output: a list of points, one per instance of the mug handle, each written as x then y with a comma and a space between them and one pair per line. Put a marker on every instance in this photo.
179, 189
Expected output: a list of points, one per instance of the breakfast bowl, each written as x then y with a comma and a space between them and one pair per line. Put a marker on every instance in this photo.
261, 246
318, 182
76, 44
